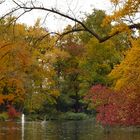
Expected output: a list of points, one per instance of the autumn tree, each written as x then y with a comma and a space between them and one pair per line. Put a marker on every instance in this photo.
127, 73
26, 69
99, 59
98, 62
38, 67
14, 63
92, 61
68, 72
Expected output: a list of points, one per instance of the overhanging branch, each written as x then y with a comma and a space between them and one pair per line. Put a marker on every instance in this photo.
83, 26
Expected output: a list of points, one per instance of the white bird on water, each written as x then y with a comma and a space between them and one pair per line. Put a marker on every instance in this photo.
44, 121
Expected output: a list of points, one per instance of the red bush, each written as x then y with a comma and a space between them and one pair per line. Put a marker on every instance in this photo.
13, 114
115, 108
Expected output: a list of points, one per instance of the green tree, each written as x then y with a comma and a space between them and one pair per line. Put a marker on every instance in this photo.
98, 61
68, 75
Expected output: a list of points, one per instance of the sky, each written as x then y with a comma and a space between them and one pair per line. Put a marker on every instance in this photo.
75, 8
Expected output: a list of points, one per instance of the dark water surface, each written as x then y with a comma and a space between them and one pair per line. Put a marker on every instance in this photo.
64, 130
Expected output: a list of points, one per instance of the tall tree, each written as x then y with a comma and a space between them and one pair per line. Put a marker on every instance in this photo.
24, 64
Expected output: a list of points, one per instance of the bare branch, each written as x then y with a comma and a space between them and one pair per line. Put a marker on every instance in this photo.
2, 1
57, 12
4, 55
134, 26
1, 79
5, 45
44, 36
9, 13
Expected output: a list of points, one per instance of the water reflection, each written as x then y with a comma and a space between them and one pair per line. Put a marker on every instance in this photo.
22, 131
22, 126
65, 130
10, 131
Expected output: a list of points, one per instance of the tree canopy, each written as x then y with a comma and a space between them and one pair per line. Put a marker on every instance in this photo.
72, 71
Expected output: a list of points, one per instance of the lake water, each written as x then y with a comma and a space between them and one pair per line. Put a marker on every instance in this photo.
64, 130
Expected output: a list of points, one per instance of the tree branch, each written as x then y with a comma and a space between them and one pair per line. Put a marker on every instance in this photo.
55, 11
134, 26
83, 26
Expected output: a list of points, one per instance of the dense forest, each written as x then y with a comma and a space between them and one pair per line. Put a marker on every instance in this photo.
44, 74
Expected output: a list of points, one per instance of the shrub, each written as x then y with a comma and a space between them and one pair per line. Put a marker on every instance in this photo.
116, 107
3, 116
74, 116
12, 113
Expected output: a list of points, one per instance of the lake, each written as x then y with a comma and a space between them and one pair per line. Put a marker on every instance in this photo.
64, 130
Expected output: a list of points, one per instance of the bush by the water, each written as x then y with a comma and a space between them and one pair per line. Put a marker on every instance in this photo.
3, 116
58, 116
13, 114
74, 116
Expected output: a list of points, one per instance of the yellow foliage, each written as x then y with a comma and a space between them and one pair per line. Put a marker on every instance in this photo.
121, 28
128, 72
124, 8
55, 93
126, 12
